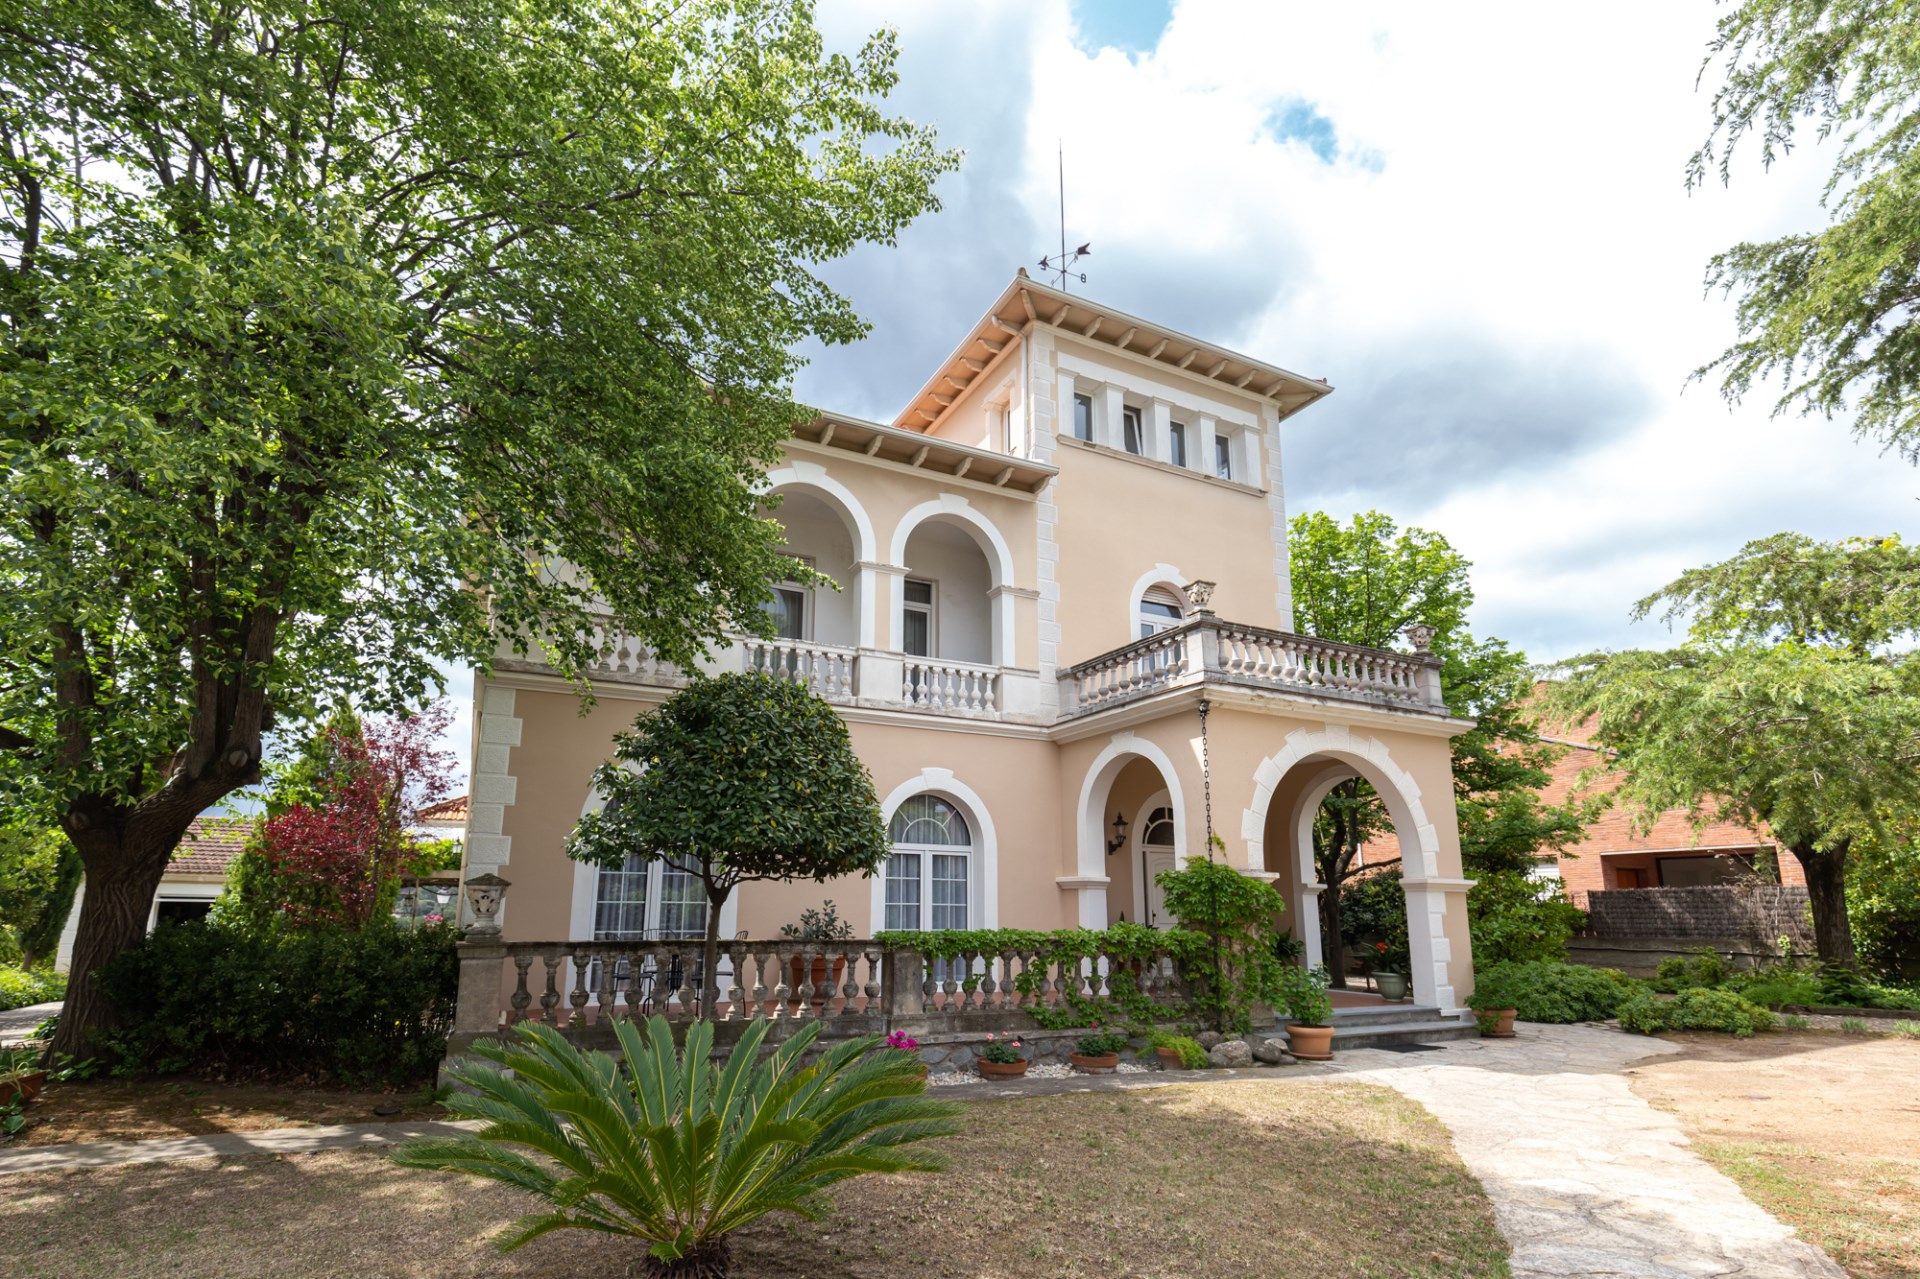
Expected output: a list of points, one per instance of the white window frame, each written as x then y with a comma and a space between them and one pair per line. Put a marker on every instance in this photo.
654, 872
971, 851
1082, 400
1149, 624
1133, 430
1222, 456
1177, 443
931, 608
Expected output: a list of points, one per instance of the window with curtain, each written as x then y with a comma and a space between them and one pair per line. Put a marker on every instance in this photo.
929, 879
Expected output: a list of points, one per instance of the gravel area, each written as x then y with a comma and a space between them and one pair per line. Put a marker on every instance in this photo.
1045, 1070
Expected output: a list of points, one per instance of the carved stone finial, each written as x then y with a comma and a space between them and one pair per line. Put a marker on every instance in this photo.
1200, 595
1420, 635
485, 894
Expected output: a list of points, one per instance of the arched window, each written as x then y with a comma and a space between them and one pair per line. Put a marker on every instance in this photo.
1161, 609
930, 871
646, 898
1158, 831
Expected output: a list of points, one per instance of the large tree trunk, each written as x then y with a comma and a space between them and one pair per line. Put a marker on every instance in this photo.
123, 865
1826, 871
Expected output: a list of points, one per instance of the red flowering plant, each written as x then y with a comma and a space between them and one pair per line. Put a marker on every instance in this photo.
1001, 1052
334, 854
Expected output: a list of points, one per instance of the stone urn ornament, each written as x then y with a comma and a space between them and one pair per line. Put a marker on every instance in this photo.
1200, 595
485, 894
1420, 635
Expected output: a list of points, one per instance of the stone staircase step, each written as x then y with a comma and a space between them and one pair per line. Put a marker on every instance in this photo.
1375, 1015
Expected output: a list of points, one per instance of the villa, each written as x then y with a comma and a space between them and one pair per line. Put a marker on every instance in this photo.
1062, 644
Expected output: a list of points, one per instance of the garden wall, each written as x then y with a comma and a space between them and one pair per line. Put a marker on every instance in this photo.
1633, 929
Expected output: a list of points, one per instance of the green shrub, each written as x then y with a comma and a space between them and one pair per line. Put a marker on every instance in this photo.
23, 987
1703, 968
1192, 1055
1100, 1043
362, 1006
1844, 988
1699, 1008
1549, 992
1513, 919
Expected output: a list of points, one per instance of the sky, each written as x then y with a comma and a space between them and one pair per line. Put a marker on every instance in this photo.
1473, 221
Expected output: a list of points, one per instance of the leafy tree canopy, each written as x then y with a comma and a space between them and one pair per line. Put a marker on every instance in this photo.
736, 777
340, 336
1828, 313
1793, 703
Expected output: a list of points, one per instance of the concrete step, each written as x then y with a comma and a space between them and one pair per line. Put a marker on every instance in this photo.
1384, 1014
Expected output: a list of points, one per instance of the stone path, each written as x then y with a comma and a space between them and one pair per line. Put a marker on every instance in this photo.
1587, 1179
17, 1023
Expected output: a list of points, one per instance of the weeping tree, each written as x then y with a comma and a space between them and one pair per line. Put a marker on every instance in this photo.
736, 777
1827, 313
341, 338
1793, 704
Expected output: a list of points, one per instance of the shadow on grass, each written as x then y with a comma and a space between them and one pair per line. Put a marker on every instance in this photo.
1335, 1180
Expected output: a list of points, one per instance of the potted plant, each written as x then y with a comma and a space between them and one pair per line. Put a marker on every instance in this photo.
1098, 1053
1390, 979
817, 924
1310, 1024
900, 1041
21, 1074
1001, 1058
1494, 1003
1177, 1052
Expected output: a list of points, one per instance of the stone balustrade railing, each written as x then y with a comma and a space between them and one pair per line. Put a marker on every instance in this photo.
953, 688
851, 987
1207, 649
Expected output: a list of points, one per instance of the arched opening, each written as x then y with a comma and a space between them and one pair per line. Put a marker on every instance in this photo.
1294, 789
946, 598
824, 536
930, 876
1160, 608
1131, 790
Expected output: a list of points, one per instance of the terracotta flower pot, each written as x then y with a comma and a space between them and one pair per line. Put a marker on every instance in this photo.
23, 1086
1104, 1064
1495, 1023
1001, 1069
797, 973
1169, 1058
1310, 1043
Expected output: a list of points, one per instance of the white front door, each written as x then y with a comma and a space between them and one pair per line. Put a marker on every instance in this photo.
1153, 861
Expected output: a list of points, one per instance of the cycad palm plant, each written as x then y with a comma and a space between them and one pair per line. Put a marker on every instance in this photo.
667, 1147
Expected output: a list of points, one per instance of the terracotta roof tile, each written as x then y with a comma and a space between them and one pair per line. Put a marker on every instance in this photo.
210, 845
447, 810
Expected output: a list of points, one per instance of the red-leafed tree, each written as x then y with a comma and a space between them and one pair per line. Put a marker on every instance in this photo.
338, 832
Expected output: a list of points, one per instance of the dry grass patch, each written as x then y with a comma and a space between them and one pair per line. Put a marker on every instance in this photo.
113, 1110
1822, 1131
1332, 1179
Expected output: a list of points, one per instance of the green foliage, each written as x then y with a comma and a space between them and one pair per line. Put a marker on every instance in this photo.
1827, 312
369, 1005
819, 923
1126, 946
1551, 992
1793, 704
1100, 1043
666, 1147
24, 987
39, 873
1703, 968
1192, 1055
1224, 947
1001, 1052
1798, 989
1304, 991
1883, 905
1646, 1013
735, 778
1514, 918
1373, 909
384, 331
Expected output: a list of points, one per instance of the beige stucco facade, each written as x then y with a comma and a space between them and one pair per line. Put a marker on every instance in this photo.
993, 547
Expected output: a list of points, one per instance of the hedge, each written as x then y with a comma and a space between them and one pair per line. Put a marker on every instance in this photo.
1701, 1008
24, 987
1549, 992
362, 1006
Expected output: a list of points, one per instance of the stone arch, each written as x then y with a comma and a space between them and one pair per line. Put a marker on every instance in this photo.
1159, 575
942, 782
955, 508
812, 478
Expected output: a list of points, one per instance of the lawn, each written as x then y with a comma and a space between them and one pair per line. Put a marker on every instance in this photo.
1821, 1130
1327, 1179
112, 1110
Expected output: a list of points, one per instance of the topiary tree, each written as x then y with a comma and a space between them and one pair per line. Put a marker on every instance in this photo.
735, 778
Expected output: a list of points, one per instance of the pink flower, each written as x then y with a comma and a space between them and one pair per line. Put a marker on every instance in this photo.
991, 1036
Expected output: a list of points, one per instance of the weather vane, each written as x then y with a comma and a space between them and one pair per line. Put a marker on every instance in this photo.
1062, 266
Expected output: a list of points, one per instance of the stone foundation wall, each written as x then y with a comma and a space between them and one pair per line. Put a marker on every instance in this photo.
1688, 918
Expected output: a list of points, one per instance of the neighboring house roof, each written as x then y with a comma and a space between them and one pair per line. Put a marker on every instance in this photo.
445, 813
1027, 301
210, 845
1616, 829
